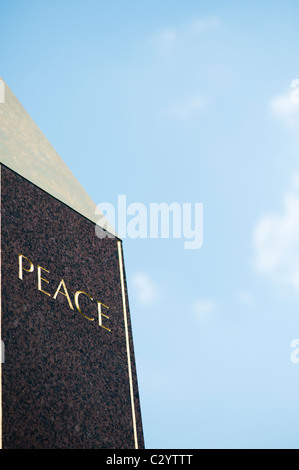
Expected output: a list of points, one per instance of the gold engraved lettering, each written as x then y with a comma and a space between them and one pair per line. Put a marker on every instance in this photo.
21, 268
61, 289
66, 294
40, 279
77, 303
102, 315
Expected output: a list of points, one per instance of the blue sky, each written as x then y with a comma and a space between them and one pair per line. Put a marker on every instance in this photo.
185, 101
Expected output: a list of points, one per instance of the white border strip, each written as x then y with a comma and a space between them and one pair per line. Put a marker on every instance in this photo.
121, 269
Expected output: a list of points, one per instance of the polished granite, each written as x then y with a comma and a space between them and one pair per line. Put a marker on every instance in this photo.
65, 380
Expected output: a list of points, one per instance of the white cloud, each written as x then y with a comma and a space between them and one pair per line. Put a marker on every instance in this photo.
186, 108
165, 40
276, 241
204, 24
286, 108
146, 291
203, 308
245, 297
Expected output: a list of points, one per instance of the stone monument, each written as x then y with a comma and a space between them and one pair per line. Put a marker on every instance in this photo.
68, 378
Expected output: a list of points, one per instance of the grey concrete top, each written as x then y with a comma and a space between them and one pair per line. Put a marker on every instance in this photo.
25, 149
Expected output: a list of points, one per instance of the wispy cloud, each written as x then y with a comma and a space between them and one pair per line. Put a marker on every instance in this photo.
175, 44
276, 241
166, 39
203, 25
245, 297
287, 111
187, 108
145, 289
202, 308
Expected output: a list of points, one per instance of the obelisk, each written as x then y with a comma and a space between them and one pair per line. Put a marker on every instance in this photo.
69, 377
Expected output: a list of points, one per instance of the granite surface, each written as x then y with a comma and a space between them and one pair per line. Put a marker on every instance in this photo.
65, 380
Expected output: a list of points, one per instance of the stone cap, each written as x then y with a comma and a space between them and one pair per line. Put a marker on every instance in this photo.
25, 149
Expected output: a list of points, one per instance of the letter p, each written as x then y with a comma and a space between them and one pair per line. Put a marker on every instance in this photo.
21, 267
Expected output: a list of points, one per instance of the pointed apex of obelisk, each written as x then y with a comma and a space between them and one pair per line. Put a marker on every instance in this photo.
25, 149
